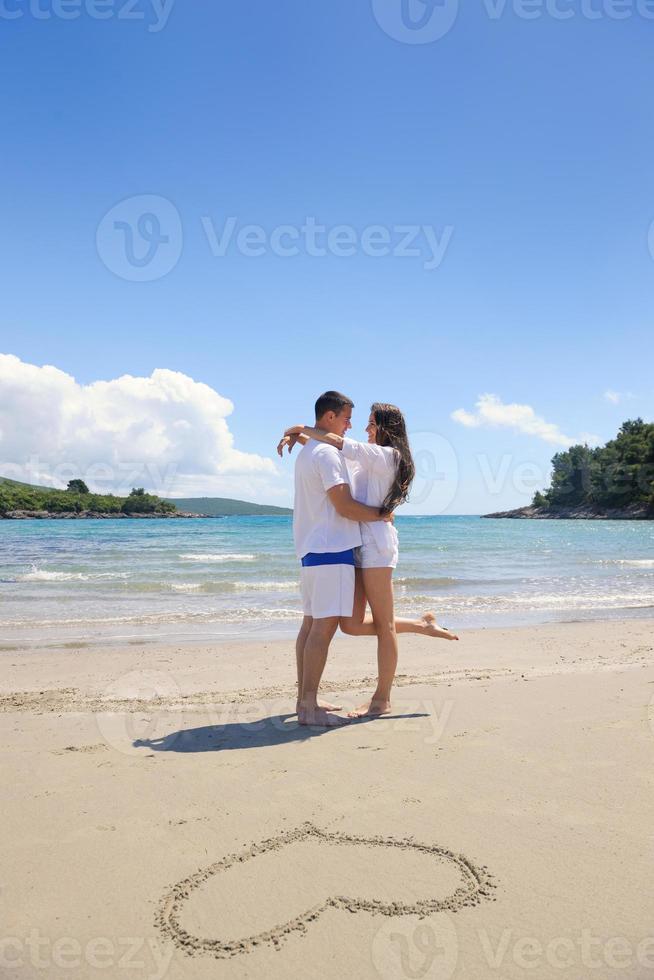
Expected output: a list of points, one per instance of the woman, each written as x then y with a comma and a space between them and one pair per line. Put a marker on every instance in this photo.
382, 471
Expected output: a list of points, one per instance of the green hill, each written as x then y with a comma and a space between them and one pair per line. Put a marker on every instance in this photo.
17, 483
226, 507
77, 500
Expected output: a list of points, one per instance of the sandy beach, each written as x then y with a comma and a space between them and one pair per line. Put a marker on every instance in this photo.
167, 817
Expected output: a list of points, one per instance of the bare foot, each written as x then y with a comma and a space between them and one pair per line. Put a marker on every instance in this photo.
318, 717
372, 709
433, 629
325, 705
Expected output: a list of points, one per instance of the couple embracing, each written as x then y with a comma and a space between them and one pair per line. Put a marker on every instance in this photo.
346, 493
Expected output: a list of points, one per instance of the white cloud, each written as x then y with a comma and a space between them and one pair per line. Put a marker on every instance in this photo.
167, 433
493, 413
615, 397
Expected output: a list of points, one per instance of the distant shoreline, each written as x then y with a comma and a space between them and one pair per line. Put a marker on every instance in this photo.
45, 515
26, 501
635, 512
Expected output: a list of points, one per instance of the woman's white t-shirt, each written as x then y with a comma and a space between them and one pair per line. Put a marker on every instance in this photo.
372, 471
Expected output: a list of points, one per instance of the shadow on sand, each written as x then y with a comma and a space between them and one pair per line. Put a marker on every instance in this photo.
274, 730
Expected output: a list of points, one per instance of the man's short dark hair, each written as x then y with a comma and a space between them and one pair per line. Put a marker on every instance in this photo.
332, 401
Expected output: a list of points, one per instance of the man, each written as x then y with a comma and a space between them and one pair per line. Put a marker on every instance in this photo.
326, 531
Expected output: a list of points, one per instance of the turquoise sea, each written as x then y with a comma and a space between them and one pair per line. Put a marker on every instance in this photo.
75, 581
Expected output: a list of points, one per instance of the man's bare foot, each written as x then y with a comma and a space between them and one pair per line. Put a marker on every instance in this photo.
325, 705
433, 629
319, 718
372, 709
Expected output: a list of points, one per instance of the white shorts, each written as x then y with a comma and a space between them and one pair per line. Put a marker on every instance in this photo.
327, 590
372, 554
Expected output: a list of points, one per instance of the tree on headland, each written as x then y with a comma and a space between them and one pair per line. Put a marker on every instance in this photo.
77, 486
140, 502
616, 475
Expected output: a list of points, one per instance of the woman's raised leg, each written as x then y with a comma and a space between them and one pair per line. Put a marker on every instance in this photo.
358, 624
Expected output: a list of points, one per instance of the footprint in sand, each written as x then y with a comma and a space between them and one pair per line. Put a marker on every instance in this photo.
270, 890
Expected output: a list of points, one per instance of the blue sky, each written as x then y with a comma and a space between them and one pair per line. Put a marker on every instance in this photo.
525, 146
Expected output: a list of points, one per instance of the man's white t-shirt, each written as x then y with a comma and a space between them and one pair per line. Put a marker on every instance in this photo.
372, 471
317, 526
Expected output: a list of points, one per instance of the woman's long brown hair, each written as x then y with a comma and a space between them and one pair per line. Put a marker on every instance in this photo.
391, 431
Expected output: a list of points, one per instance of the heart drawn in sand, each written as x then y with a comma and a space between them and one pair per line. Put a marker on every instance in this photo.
432, 878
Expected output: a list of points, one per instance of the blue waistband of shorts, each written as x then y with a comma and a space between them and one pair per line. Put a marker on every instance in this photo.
329, 558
